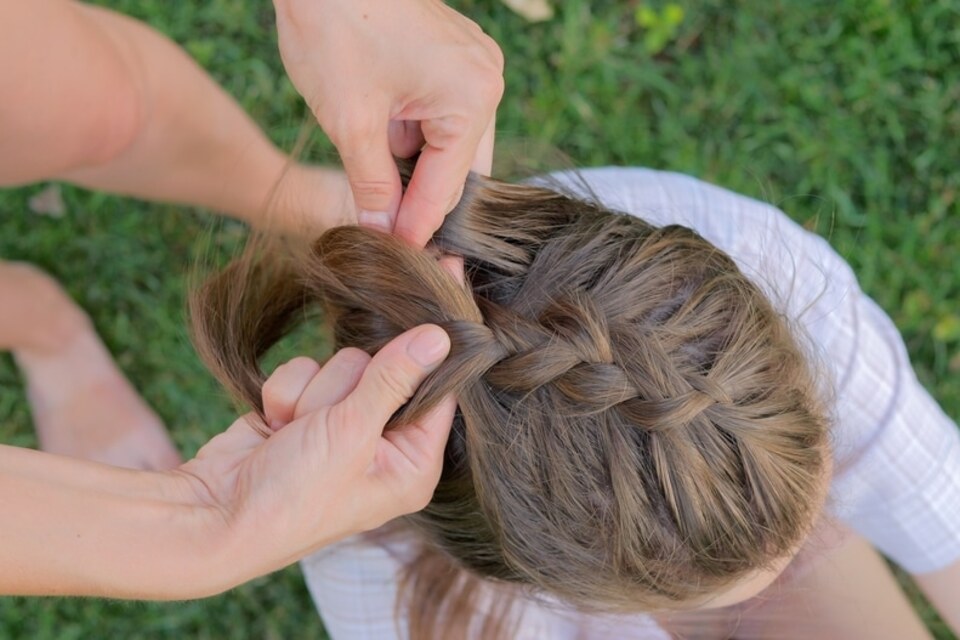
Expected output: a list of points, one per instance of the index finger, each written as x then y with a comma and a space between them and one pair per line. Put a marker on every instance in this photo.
436, 185
364, 148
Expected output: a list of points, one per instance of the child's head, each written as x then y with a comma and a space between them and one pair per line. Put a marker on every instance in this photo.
637, 429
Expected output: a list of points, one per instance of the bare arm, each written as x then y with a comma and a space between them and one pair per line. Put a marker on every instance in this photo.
73, 527
110, 104
245, 505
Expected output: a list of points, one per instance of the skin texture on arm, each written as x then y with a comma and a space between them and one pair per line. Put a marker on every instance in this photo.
75, 527
116, 106
245, 505
385, 78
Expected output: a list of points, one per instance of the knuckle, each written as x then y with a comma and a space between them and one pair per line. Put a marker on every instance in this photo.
297, 367
394, 381
339, 414
491, 91
365, 191
280, 389
446, 131
490, 63
353, 357
472, 25
274, 392
300, 363
494, 53
344, 430
353, 129
318, 435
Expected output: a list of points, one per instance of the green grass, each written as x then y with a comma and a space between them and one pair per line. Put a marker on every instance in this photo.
845, 114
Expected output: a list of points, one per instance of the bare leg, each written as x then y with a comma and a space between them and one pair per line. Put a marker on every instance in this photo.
82, 404
835, 591
943, 589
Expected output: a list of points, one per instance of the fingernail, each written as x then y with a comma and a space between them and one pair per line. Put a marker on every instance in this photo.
375, 220
429, 347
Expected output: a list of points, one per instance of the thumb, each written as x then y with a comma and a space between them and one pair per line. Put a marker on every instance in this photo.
391, 379
372, 173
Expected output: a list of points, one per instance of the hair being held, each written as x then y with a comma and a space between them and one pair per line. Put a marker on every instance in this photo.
637, 427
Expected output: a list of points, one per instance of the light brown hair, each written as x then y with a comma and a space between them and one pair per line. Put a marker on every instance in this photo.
637, 427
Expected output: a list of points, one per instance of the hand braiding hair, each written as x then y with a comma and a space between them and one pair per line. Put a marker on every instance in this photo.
636, 425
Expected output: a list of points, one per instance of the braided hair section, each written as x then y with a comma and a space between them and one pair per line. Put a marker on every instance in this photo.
637, 427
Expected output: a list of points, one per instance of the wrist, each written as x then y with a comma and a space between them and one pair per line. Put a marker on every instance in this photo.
86, 529
221, 556
231, 542
308, 200
178, 541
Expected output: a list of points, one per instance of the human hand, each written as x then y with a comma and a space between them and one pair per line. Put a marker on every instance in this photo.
386, 79
328, 470
308, 201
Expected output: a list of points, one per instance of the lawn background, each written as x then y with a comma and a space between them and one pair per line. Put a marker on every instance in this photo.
844, 113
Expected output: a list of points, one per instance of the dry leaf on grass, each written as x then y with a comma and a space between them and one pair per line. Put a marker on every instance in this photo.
532, 10
48, 202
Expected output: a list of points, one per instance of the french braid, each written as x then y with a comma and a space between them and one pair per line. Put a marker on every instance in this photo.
637, 428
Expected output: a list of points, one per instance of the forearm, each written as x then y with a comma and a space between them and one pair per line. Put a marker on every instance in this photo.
191, 143
108, 103
73, 527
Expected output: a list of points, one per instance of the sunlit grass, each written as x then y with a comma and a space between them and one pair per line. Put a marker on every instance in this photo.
845, 114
